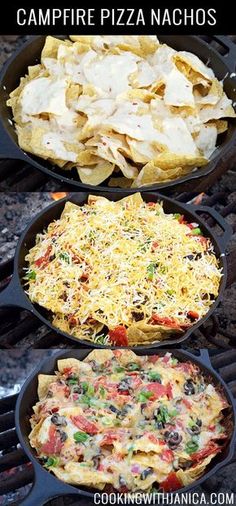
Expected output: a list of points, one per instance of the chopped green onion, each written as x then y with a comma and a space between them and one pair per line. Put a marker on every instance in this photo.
64, 256
102, 392
72, 381
90, 390
155, 376
31, 275
177, 216
84, 399
52, 462
119, 369
80, 437
144, 396
192, 446
151, 270
173, 413
133, 367
163, 415
170, 292
174, 361
84, 385
196, 231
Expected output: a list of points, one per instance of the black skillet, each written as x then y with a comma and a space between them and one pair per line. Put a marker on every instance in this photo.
29, 54
46, 486
14, 294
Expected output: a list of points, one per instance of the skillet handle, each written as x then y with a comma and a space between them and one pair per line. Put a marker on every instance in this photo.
45, 488
8, 148
230, 57
225, 227
205, 357
14, 296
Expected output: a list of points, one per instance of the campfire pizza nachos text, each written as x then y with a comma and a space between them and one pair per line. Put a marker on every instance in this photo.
124, 422
122, 273
124, 108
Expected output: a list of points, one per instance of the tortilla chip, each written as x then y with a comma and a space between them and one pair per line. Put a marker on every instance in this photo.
44, 380
100, 356
51, 46
194, 473
77, 365
142, 332
76, 474
96, 174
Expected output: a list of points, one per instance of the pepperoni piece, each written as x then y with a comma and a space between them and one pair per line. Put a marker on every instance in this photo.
85, 425
167, 456
159, 390
54, 444
205, 452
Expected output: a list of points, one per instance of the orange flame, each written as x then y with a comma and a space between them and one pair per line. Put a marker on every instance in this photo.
58, 195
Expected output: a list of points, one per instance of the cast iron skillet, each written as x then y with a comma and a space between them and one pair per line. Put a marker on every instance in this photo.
29, 54
46, 485
14, 294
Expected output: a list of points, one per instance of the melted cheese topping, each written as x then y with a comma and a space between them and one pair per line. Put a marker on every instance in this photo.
119, 263
129, 421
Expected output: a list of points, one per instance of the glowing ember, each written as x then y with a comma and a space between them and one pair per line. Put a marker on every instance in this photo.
58, 195
198, 199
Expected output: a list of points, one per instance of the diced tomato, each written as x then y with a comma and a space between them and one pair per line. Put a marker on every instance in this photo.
67, 370
165, 359
158, 390
211, 427
109, 438
187, 403
101, 467
169, 391
155, 439
167, 456
54, 444
185, 367
72, 321
82, 423
84, 276
193, 315
211, 448
151, 204
155, 245
54, 410
203, 240
76, 259
182, 220
43, 260
117, 353
165, 320
171, 483
118, 336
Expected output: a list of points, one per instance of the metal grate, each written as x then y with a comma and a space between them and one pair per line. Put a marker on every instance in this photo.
16, 472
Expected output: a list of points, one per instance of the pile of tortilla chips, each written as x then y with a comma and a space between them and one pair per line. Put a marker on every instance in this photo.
125, 109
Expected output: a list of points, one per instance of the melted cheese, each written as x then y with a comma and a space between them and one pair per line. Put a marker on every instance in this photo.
44, 95
147, 262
